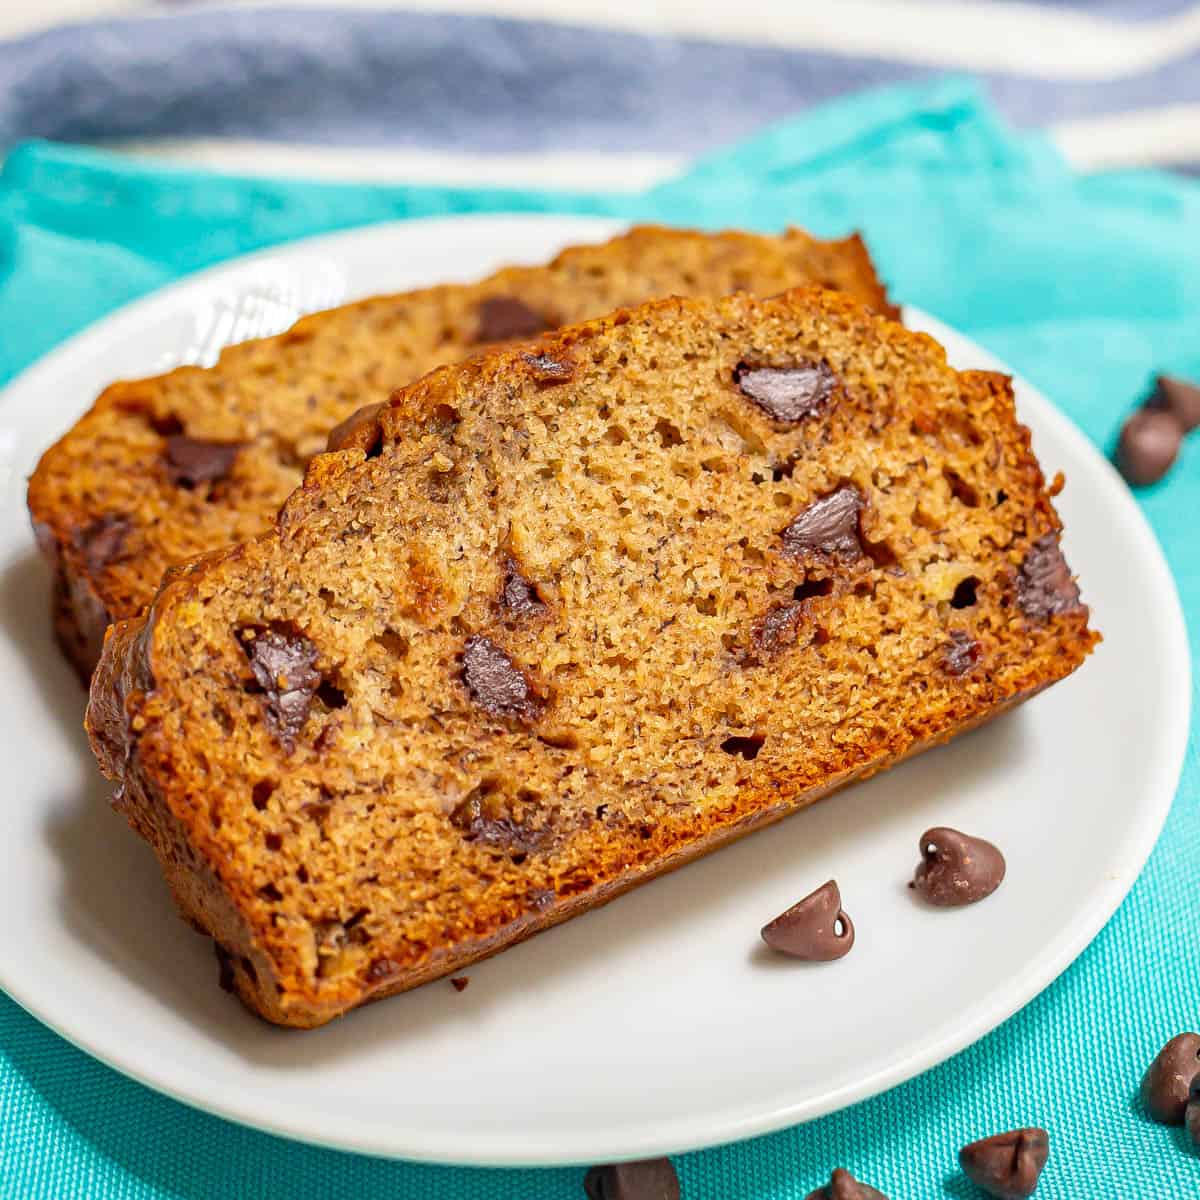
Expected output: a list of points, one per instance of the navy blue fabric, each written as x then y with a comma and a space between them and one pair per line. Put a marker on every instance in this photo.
404, 78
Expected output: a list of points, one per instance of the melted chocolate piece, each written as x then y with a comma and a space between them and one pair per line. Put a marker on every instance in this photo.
1007, 1165
283, 667
1149, 444
1179, 397
1045, 587
502, 318
361, 430
478, 822
1165, 1085
776, 630
496, 683
519, 596
787, 394
548, 371
827, 526
197, 460
815, 929
103, 540
961, 653
843, 1186
652, 1179
957, 869
459, 982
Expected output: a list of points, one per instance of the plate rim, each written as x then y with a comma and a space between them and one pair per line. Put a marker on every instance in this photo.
714, 1129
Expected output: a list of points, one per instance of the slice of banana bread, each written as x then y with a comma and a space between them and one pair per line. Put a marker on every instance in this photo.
565, 616
160, 470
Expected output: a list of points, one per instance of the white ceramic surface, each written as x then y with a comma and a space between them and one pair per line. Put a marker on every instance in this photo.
656, 1024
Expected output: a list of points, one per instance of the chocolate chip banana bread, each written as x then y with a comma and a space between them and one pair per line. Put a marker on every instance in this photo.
163, 469
567, 615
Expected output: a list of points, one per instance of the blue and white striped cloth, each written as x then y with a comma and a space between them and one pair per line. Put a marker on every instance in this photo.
571, 93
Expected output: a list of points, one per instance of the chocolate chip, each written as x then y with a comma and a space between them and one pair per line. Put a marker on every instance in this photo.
1007, 1165
652, 1179
1191, 1116
197, 460
774, 631
547, 371
480, 821
1149, 445
283, 668
843, 1186
961, 653
815, 928
459, 982
103, 540
957, 869
827, 526
518, 596
361, 430
1166, 1083
787, 394
1044, 586
496, 683
504, 317
1177, 396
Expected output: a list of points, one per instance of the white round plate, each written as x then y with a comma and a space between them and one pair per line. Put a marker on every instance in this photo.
656, 1024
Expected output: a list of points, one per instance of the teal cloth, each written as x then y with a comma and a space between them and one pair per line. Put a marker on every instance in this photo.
1087, 285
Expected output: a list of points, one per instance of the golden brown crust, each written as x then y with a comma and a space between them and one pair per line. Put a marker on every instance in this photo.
273, 401
466, 773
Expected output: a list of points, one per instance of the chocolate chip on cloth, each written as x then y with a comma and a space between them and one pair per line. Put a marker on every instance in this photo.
816, 928
283, 665
496, 683
1191, 1115
1044, 586
1165, 1085
504, 317
827, 526
191, 461
1007, 1165
787, 394
1178, 397
651, 1179
1148, 446
843, 1186
956, 869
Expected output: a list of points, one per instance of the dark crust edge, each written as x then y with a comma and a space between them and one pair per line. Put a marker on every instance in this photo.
78, 614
